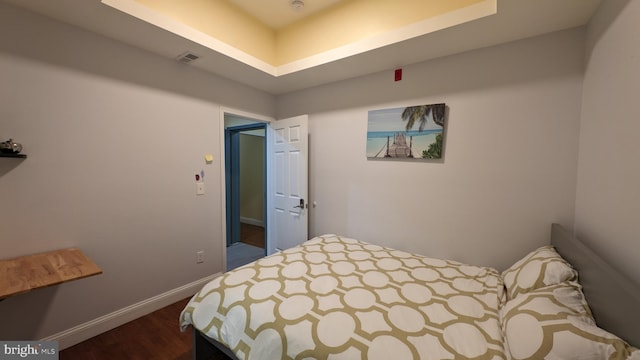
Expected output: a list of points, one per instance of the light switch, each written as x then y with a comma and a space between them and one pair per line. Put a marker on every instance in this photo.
200, 188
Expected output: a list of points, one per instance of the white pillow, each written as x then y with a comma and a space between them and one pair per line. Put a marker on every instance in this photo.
555, 323
541, 267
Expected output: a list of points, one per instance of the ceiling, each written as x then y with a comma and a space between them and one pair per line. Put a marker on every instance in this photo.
279, 13
515, 19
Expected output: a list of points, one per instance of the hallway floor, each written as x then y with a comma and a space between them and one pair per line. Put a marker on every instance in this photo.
249, 249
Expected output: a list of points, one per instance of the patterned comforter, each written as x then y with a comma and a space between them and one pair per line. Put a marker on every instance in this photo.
339, 298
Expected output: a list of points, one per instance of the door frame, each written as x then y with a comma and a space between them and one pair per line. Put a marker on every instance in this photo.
232, 178
223, 193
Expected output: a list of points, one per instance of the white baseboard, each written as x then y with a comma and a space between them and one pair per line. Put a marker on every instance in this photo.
82, 332
251, 221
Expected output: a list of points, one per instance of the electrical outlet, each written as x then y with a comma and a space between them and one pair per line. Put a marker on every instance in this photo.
199, 257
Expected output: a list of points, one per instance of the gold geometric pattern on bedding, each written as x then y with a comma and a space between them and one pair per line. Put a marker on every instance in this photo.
339, 298
555, 323
541, 267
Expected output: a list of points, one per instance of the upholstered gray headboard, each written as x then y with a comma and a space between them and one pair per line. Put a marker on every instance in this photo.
614, 299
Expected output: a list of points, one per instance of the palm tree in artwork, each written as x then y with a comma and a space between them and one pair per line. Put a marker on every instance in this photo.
421, 113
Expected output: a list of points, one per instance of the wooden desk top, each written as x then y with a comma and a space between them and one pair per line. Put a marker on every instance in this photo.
25, 273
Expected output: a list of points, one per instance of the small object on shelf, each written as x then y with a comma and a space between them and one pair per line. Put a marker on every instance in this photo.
10, 147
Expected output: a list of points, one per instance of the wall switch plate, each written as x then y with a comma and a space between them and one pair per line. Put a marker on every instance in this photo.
199, 188
199, 257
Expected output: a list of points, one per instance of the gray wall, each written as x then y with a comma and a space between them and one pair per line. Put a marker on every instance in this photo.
114, 136
608, 194
510, 160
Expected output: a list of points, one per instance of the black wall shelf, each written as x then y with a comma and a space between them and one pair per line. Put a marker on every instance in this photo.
15, 156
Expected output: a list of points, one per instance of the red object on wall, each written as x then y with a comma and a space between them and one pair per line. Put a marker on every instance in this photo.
398, 75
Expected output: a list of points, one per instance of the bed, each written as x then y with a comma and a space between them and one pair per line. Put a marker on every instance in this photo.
339, 298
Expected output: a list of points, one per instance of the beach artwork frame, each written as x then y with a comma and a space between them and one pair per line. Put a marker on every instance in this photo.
409, 133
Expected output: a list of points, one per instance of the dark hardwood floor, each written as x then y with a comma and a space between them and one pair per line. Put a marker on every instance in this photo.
154, 336
252, 235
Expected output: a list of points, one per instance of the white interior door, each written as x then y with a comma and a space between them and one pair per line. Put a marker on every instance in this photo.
287, 147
